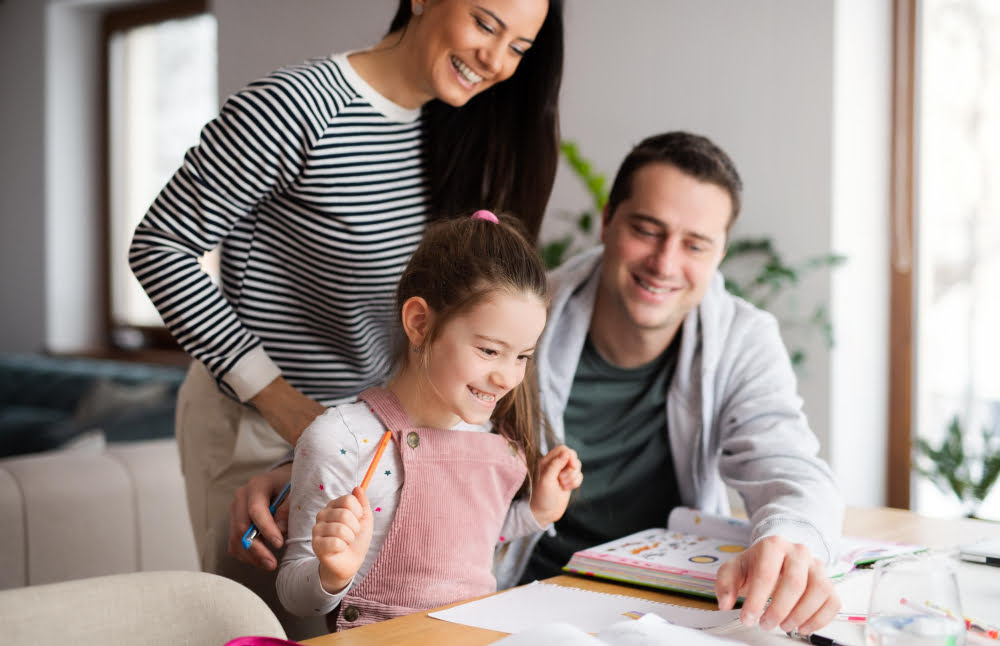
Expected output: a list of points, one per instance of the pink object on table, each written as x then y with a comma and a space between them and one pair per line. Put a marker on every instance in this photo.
260, 641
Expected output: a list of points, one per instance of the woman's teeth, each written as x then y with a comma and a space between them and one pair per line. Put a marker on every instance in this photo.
465, 71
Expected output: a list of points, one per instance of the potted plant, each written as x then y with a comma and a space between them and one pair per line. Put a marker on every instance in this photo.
954, 470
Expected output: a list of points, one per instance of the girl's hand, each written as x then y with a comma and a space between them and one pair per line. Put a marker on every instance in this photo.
340, 539
559, 473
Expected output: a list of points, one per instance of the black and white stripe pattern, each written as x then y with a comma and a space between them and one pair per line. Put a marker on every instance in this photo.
318, 198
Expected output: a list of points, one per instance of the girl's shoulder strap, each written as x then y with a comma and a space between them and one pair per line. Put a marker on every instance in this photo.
386, 407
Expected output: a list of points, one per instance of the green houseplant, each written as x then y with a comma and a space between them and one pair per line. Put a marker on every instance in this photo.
757, 272
955, 470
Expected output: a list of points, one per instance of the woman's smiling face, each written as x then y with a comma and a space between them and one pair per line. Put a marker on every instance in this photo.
467, 46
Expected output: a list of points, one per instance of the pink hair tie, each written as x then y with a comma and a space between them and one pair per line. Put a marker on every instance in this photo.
483, 214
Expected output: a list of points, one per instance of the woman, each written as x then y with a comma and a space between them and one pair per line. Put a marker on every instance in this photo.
317, 182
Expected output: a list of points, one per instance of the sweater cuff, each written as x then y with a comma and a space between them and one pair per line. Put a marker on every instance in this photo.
327, 601
287, 458
251, 374
798, 532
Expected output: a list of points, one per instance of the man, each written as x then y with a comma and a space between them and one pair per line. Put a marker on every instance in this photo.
669, 388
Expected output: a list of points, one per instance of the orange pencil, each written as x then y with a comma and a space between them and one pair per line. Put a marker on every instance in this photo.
378, 456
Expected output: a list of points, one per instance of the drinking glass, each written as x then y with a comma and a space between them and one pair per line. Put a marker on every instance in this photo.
915, 601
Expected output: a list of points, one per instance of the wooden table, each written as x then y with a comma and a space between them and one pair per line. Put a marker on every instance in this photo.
880, 523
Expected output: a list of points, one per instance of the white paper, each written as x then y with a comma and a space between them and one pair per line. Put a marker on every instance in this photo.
550, 635
537, 604
648, 630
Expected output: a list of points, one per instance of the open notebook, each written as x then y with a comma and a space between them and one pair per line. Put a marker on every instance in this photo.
686, 555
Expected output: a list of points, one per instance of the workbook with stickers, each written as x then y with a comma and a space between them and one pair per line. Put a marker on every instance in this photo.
686, 555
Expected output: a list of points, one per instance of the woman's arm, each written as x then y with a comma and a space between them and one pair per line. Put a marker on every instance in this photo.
252, 150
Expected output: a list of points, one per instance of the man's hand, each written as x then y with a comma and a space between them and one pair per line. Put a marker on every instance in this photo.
341, 537
251, 504
802, 595
559, 473
288, 411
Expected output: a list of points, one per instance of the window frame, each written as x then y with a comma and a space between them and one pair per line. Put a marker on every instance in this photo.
901, 282
152, 338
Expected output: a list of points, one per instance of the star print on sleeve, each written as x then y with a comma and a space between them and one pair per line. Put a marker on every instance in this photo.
388, 473
343, 451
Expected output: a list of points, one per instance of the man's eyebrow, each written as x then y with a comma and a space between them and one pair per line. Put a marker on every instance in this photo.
701, 236
502, 24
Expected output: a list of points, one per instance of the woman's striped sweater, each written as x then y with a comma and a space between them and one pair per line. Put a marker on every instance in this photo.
314, 186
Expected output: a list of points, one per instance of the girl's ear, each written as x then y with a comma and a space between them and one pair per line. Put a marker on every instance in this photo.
416, 316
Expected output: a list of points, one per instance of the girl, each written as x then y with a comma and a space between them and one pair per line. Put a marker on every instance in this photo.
472, 305
317, 182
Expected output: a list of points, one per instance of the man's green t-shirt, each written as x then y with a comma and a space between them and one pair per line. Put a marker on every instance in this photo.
616, 421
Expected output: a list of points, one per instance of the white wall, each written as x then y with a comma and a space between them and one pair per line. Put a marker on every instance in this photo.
756, 77
860, 226
797, 92
22, 172
74, 262
257, 36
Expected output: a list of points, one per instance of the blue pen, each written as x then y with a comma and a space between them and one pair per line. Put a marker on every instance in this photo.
251, 534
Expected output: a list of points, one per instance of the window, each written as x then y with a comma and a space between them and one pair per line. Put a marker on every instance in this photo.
947, 174
161, 89
957, 221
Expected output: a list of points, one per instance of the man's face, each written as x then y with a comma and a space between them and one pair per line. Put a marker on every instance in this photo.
662, 246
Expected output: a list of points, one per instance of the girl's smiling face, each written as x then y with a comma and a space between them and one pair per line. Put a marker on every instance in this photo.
467, 46
479, 357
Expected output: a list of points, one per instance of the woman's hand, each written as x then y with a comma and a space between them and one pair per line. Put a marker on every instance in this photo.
340, 539
559, 473
252, 503
288, 411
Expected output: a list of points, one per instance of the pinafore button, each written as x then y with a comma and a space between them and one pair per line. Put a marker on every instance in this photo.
351, 613
412, 440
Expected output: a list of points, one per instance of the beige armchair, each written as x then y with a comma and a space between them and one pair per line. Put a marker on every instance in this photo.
150, 608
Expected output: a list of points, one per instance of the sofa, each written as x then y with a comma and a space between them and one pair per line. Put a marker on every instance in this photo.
47, 402
91, 482
149, 608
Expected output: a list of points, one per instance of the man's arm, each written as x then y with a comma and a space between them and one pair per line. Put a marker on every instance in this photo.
769, 455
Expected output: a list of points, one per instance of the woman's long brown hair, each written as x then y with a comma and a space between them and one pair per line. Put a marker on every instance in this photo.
500, 150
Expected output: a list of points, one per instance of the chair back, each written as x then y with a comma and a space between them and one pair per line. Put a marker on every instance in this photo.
150, 608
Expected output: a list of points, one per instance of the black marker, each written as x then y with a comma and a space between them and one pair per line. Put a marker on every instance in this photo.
818, 640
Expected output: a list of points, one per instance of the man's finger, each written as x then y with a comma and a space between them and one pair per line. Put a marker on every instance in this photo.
823, 616
810, 613
792, 582
728, 582
763, 566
